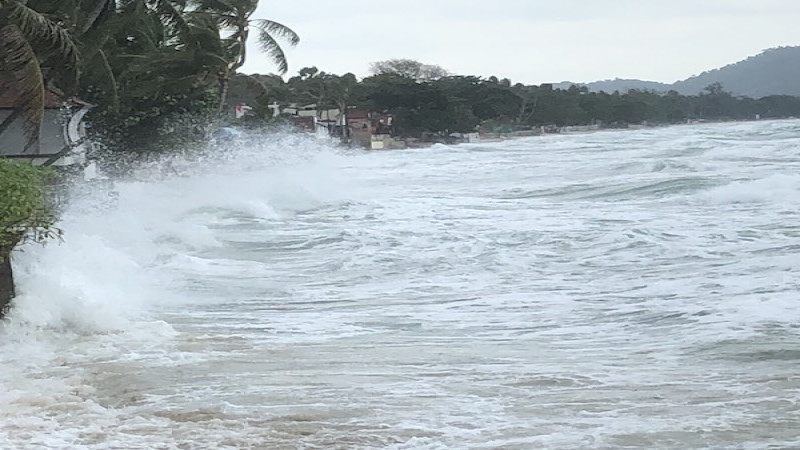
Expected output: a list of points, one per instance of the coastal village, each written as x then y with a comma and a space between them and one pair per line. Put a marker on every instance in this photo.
356, 127
377, 131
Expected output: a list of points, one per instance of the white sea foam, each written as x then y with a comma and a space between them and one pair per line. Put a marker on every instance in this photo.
781, 188
620, 289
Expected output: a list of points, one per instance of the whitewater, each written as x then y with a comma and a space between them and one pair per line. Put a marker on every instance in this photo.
620, 289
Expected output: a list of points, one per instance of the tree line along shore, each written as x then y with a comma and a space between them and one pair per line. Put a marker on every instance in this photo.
426, 102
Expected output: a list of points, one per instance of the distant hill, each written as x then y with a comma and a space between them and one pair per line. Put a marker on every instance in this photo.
772, 72
618, 84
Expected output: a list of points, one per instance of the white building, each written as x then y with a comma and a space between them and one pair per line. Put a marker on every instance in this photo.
62, 137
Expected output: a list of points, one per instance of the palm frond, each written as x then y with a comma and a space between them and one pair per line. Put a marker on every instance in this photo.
203, 33
171, 12
18, 61
277, 29
216, 6
111, 81
267, 33
271, 47
228, 21
245, 8
39, 30
96, 12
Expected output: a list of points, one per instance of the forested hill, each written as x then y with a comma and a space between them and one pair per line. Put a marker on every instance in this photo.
772, 72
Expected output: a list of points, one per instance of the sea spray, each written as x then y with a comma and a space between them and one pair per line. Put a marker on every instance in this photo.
539, 293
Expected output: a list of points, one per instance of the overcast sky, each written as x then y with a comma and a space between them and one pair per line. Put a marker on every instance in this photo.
533, 41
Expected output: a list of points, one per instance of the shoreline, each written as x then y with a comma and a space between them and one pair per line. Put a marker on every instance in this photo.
590, 129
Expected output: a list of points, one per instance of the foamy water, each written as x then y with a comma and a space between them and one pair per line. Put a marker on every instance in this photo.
611, 290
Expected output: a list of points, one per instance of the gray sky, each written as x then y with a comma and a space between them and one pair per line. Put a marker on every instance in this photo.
533, 41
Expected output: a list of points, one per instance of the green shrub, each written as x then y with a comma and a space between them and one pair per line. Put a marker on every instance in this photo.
24, 210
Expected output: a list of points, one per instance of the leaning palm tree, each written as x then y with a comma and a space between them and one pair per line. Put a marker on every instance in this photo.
150, 50
87, 22
28, 38
234, 17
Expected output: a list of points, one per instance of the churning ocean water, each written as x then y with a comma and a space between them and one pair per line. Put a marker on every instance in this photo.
631, 289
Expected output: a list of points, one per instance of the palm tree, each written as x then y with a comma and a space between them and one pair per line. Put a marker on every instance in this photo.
154, 49
155, 72
234, 17
137, 59
28, 38
79, 16
87, 22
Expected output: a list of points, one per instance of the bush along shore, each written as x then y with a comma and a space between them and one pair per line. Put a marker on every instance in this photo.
25, 215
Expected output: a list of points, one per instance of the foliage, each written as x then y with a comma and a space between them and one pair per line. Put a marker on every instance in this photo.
419, 107
408, 68
774, 71
259, 92
468, 103
460, 103
146, 64
24, 212
233, 20
326, 90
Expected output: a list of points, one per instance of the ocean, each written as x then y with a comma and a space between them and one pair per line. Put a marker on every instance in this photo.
620, 289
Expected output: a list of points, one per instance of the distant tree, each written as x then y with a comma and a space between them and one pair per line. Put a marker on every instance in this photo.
445, 105
432, 72
778, 106
259, 92
714, 89
715, 103
310, 85
341, 89
487, 100
409, 68
528, 99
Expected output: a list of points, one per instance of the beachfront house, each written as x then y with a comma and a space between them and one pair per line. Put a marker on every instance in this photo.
374, 131
365, 129
62, 137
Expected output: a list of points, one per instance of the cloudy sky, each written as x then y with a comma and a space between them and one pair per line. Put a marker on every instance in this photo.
533, 41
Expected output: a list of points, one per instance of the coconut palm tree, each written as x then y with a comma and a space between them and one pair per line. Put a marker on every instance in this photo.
154, 48
155, 71
137, 59
234, 18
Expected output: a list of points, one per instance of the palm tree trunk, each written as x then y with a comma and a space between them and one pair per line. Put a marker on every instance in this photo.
6, 281
343, 112
224, 75
222, 80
